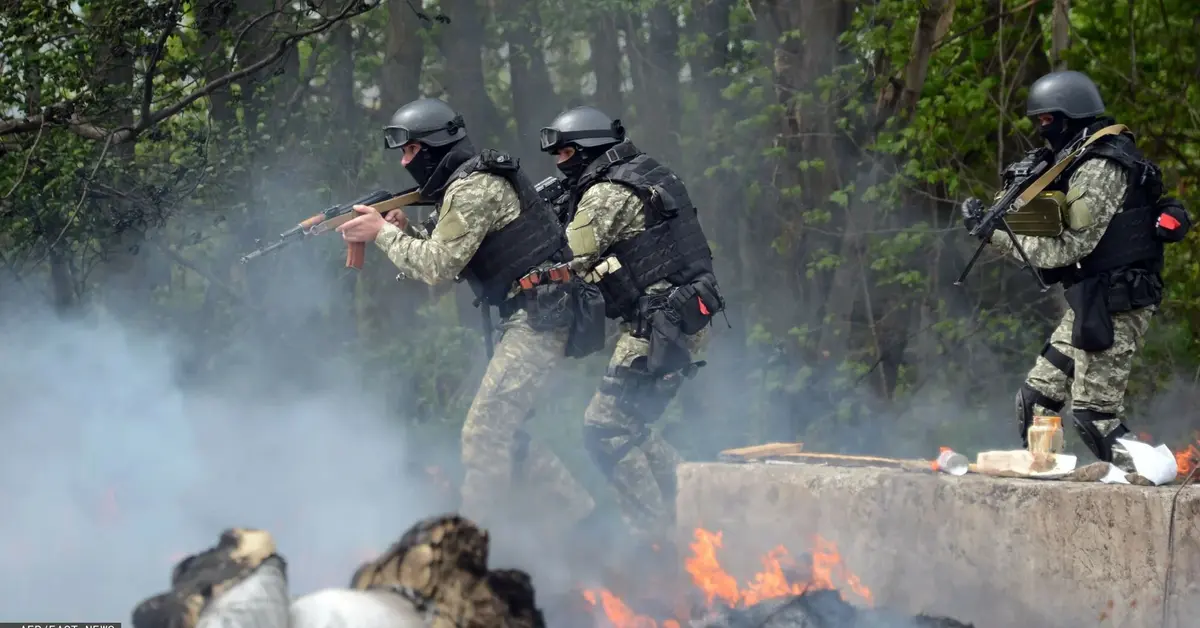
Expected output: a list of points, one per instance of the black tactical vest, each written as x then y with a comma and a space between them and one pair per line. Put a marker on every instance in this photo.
508, 254
672, 246
1129, 242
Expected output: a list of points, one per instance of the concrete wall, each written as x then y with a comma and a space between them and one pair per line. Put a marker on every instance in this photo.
994, 552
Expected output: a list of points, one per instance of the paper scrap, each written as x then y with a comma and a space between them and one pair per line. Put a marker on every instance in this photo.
1063, 464
1156, 464
1114, 476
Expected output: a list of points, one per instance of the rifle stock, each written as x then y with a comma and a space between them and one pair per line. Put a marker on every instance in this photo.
381, 201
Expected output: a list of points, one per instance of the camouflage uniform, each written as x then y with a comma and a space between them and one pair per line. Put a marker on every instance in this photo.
495, 450
642, 462
1098, 380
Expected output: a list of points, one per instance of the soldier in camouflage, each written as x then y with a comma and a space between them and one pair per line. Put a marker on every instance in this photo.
1108, 255
494, 231
635, 234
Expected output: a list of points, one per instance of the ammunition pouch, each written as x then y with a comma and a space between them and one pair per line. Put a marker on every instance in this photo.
666, 319
547, 298
1044, 216
587, 325
1173, 221
696, 303
620, 294
659, 323
1134, 289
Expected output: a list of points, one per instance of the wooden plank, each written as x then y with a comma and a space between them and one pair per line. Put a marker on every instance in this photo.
758, 452
860, 461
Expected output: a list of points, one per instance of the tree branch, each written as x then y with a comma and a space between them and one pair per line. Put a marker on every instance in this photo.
156, 56
63, 115
985, 21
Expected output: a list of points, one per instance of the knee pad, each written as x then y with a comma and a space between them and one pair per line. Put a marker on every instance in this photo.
1027, 397
1099, 431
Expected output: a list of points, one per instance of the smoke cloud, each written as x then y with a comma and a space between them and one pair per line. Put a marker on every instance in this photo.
111, 471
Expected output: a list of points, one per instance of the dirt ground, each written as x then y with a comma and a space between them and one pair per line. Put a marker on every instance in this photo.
996, 552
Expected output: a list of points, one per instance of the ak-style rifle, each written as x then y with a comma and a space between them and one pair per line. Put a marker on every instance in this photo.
381, 200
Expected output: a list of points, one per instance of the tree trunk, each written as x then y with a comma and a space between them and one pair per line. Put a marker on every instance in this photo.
534, 103
606, 63
212, 16
125, 270
461, 43
1061, 34
404, 54
805, 128
659, 119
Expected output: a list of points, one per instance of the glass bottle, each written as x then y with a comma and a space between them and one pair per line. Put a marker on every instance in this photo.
1045, 440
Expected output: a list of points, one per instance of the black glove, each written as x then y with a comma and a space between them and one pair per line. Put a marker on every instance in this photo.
1173, 220
972, 212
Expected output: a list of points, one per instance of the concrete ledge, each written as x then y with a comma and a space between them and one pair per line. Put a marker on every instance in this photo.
998, 553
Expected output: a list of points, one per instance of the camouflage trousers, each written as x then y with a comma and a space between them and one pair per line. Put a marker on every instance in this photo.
638, 462
509, 474
1099, 379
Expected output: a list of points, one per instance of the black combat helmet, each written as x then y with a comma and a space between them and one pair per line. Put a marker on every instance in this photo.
432, 124
588, 130
426, 120
1071, 99
585, 127
1070, 93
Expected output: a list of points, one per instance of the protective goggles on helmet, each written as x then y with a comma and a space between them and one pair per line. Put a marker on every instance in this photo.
552, 139
397, 136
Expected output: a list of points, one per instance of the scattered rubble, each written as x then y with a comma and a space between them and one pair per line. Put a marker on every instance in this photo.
817, 609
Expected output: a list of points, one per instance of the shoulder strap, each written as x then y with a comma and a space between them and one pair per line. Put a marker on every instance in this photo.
1058, 168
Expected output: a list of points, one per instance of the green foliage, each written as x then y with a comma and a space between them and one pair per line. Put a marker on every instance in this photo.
830, 204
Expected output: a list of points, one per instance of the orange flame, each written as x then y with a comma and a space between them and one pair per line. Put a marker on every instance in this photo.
715, 584
1185, 460
933, 464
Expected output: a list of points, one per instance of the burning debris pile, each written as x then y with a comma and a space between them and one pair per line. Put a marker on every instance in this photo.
435, 576
784, 594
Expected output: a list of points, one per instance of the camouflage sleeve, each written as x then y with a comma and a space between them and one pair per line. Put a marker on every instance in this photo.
468, 211
413, 230
607, 213
1096, 190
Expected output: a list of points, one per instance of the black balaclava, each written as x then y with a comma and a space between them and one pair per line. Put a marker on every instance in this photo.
578, 163
1062, 130
426, 161
433, 173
